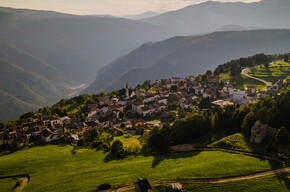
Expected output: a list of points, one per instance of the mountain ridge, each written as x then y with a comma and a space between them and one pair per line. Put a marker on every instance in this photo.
190, 55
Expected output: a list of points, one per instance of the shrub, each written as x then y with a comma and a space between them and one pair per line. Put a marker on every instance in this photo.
104, 186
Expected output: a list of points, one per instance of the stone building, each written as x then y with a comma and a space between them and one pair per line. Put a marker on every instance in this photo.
258, 132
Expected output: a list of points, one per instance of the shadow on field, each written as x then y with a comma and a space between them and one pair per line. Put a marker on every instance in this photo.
177, 155
284, 177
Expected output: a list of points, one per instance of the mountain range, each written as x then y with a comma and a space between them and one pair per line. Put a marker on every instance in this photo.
63, 51
211, 15
191, 55
59, 50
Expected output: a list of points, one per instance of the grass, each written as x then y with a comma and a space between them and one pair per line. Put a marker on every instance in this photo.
240, 142
225, 75
241, 82
275, 183
275, 72
130, 141
7, 184
54, 168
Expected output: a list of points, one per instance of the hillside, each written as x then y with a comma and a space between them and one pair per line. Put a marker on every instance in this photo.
26, 83
85, 171
76, 45
45, 53
212, 15
182, 56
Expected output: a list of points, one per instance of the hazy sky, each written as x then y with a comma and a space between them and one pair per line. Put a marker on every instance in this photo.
113, 7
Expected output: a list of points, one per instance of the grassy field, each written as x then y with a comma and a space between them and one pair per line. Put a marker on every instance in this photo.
241, 142
275, 72
241, 82
131, 141
7, 184
277, 183
54, 168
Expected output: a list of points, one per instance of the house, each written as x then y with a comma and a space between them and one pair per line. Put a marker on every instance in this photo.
227, 88
136, 107
160, 107
222, 103
105, 122
258, 132
198, 90
34, 131
205, 95
185, 103
8, 139
237, 95
251, 89
147, 111
104, 100
92, 107
162, 100
46, 135
176, 79
73, 138
263, 94
149, 99
190, 78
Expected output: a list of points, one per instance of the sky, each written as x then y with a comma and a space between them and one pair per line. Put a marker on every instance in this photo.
112, 7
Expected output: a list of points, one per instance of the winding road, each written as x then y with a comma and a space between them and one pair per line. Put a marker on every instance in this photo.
245, 73
211, 180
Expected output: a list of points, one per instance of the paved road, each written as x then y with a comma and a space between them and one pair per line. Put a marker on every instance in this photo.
245, 73
211, 180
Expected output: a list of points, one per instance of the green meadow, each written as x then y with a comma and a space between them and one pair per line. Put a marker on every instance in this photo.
276, 183
275, 72
54, 168
7, 184
241, 82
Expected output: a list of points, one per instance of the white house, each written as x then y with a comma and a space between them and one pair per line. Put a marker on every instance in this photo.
237, 95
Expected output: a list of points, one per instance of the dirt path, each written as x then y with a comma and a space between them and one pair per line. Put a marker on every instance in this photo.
245, 73
22, 182
211, 180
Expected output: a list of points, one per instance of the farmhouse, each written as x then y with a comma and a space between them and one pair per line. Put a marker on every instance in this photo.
251, 89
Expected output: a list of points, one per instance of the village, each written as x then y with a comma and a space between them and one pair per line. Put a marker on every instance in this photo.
137, 110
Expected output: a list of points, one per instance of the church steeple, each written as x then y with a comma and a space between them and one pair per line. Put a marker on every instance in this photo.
127, 90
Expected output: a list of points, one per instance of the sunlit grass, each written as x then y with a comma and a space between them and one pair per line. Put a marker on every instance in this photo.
54, 168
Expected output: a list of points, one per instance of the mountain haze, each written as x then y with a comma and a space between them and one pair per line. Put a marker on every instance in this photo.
210, 16
182, 56
26, 83
43, 53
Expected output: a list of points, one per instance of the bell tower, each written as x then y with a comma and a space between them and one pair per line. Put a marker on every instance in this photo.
127, 91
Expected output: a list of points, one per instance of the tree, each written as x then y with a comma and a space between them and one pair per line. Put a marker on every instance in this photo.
159, 139
204, 78
266, 65
283, 136
286, 58
248, 122
117, 149
204, 103
123, 126
235, 69
208, 73
121, 115
173, 88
